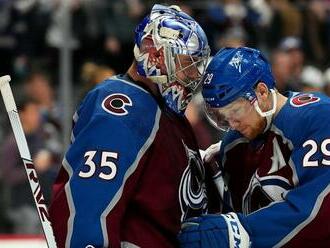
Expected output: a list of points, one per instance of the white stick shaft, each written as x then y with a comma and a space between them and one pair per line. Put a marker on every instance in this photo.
23, 148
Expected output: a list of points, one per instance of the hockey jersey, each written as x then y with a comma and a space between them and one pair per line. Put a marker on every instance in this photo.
131, 174
281, 180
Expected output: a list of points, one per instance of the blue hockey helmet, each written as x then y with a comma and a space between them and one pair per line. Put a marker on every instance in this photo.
234, 73
169, 44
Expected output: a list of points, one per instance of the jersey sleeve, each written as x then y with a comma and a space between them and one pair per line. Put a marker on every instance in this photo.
104, 163
301, 219
297, 220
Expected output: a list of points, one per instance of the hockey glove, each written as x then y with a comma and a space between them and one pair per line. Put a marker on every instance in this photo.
221, 231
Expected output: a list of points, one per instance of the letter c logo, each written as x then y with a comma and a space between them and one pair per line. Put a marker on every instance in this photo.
116, 104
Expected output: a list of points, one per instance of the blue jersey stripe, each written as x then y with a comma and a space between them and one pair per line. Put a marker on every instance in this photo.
129, 172
310, 218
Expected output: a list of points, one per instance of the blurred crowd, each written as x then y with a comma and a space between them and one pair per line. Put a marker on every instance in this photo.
295, 35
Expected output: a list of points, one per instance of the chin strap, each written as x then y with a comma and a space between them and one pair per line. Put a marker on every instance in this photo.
268, 122
268, 114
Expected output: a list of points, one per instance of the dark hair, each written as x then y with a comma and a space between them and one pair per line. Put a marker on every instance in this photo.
23, 101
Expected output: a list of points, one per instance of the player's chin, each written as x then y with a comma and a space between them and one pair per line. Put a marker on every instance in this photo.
249, 133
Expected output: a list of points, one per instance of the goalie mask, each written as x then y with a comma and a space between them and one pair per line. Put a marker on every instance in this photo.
172, 50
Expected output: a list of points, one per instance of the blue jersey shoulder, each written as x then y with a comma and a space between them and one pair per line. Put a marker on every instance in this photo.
120, 101
115, 114
304, 122
305, 115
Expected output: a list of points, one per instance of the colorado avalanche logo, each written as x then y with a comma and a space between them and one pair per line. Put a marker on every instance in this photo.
116, 104
264, 190
272, 180
303, 99
192, 191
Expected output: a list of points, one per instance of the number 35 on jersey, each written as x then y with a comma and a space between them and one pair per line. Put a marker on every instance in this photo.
106, 170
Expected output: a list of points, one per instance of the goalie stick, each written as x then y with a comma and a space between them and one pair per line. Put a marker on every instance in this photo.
23, 148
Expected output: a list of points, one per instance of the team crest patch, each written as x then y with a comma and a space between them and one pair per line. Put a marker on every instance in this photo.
116, 104
192, 189
303, 99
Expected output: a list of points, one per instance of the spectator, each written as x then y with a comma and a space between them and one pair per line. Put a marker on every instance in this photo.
229, 17
28, 24
124, 16
22, 212
282, 70
92, 74
311, 79
38, 87
316, 15
293, 47
286, 21
233, 37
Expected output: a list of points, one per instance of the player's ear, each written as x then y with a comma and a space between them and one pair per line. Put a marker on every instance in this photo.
262, 90
262, 93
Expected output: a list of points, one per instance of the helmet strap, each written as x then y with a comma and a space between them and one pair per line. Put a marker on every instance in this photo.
268, 114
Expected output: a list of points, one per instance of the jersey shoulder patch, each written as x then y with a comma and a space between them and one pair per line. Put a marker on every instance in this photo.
120, 97
117, 104
304, 99
121, 103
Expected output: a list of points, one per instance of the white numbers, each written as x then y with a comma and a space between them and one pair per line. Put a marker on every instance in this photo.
110, 164
325, 151
307, 161
89, 162
105, 156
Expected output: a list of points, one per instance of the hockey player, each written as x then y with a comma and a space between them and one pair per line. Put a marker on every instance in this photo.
133, 172
274, 159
